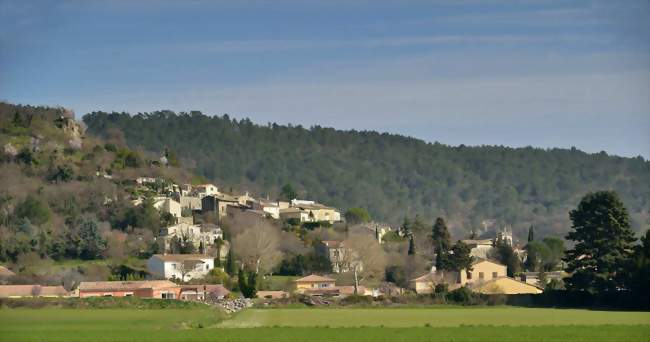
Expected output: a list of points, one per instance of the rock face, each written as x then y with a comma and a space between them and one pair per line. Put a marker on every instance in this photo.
234, 305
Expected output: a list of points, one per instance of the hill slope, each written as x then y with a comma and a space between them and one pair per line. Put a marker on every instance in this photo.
391, 175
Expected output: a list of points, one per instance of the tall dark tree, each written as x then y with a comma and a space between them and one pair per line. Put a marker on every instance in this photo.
218, 243
288, 193
505, 254
441, 241
411, 250
531, 234
91, 241
440, 234
459, 257
405, 228
230, 262
603, 242
639, 269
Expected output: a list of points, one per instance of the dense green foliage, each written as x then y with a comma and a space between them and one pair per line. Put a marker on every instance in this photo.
390, 175
601, 231
65, 196
357, 215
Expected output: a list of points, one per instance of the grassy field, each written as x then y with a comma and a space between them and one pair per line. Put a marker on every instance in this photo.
434, 317
398, 325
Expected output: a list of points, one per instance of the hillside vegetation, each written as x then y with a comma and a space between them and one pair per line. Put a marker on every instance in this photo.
64, 195
391, 175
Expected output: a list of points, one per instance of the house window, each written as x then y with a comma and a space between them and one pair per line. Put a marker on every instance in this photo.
108, 295
469, 275
207, 267
174, 266
128, 294
167, 295
494, 275
481, 275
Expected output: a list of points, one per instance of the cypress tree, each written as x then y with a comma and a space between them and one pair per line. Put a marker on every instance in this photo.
230, 262
441, 241
411, 246
531, 234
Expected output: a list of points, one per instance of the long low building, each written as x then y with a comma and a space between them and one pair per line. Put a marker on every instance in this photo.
19, 291
163, 289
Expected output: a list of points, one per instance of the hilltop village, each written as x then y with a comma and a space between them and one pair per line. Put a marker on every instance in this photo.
87, 217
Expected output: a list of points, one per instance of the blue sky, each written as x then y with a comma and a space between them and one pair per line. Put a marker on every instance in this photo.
516, 73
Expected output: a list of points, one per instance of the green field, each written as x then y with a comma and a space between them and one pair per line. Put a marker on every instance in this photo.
435, 317
497, 324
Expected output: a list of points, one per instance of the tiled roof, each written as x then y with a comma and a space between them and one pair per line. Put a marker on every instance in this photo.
314, 278
31, 290
124, 285
181, 257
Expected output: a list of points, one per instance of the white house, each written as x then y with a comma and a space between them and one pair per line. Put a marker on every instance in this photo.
203, 190
269, 207
180, 266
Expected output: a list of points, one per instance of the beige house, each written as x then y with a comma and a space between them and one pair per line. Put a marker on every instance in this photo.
482, 271
314, 282
190, 202
308, 211
167, 205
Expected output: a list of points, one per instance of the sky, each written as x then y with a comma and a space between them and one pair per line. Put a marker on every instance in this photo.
517, 73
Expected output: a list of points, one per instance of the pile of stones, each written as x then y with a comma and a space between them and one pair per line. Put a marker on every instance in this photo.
234, 305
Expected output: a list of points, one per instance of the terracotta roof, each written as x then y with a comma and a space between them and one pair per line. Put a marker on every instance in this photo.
124, 285
314, 278
31, 290
181, 257
5, 272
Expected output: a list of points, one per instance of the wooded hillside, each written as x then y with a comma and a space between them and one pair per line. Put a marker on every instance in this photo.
391, 175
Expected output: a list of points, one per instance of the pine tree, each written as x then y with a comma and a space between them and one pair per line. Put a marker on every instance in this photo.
603, 244
460, 258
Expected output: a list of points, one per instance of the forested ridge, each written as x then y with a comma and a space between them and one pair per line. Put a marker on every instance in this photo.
391, 175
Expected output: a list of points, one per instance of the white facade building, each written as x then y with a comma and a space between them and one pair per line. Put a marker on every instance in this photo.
180, 266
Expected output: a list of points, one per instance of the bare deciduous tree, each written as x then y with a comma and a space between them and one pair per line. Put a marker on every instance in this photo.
366, 258
258, 245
